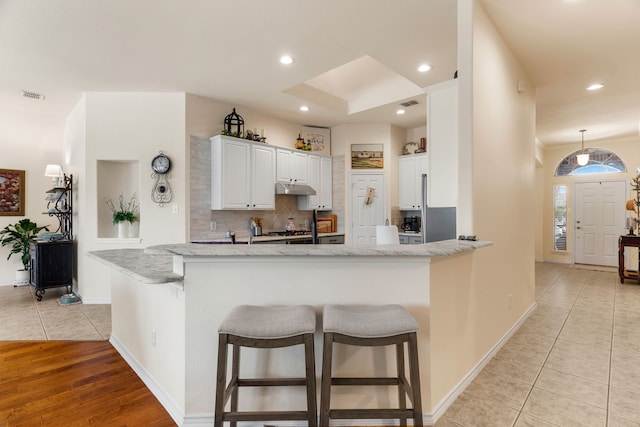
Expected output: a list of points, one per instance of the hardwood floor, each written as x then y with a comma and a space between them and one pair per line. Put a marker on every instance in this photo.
59, 383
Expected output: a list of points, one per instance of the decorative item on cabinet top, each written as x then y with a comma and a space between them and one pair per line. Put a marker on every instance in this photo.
318, 138
233, 125
414, 147
302, 145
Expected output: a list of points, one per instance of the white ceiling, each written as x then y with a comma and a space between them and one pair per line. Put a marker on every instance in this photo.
566, 45
229, 50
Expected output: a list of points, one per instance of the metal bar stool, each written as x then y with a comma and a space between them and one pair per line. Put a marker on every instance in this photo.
264, 327
372, 326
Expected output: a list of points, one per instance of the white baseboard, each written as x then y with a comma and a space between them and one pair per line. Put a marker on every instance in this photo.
447, 401
165, 400
95, 300
14, 283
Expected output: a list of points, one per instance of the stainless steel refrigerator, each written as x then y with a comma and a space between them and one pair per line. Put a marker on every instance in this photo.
437, 223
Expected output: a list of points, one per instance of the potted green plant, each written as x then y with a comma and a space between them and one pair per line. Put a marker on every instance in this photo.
125, 214
20, 236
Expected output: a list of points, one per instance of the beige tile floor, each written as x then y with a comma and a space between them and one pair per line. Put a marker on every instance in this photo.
574, 362
24, 318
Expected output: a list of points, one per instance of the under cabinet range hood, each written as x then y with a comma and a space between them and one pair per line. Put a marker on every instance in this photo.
294, 189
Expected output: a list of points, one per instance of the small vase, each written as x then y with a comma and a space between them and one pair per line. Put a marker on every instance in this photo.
134, 229
123, 230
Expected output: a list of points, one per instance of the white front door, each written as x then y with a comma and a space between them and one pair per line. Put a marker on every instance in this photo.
368, 207
599, 221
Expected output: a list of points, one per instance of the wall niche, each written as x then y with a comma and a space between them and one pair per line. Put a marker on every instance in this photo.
115, 178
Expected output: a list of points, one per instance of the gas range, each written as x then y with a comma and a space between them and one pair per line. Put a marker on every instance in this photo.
289, 233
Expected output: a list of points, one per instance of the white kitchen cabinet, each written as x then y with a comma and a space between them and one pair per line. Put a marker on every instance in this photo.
320, 177
410, 240
410, 170
291, 166
243, 174
442, 137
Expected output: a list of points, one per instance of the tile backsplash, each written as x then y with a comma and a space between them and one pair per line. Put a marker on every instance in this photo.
201, 215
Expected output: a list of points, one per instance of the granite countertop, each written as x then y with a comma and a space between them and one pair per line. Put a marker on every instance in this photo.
154, 265
443, 248
135, 263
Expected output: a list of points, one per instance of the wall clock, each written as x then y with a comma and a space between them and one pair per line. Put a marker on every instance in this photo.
161, 192
161, 163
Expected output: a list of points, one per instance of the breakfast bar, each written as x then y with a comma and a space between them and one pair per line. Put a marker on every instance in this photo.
168, 300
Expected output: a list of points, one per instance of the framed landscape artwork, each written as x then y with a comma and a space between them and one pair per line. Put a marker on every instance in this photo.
12, 192
319, 138
367, 156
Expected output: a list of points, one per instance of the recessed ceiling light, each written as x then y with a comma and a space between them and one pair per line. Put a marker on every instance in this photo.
400, 111
286, 60
304, 108
595, 86
423, 68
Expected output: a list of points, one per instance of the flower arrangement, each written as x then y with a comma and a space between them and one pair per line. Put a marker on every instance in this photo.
125, 211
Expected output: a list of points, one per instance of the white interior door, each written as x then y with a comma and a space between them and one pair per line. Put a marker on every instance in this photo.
368, 207
599, 221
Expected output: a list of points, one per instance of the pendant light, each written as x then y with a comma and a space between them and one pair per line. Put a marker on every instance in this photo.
583, 157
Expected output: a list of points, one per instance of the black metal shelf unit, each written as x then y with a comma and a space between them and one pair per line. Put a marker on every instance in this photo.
61, 207
52, 261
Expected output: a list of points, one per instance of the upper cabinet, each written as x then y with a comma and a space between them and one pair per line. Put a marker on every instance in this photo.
442, 141
410, 170
320, 177
243, 174
291, 166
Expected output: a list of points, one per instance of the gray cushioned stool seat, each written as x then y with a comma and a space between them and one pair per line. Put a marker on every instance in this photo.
372, 326
368, 321
261, 327
251, 321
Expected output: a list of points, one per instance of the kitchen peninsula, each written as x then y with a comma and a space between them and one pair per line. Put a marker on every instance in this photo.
166, 313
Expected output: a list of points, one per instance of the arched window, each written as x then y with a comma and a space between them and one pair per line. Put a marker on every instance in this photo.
600, 161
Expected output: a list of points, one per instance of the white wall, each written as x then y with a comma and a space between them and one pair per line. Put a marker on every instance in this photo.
125, 127
29, 152
504, 174
497, 131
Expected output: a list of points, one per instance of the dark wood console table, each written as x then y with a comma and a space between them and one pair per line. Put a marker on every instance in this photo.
627, 241
51, 265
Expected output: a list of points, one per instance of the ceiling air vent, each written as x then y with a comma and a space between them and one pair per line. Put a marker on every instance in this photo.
33, 95
409, 103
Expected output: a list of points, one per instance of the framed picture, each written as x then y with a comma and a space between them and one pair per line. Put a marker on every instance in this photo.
12, 191
367, 156
319, 138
